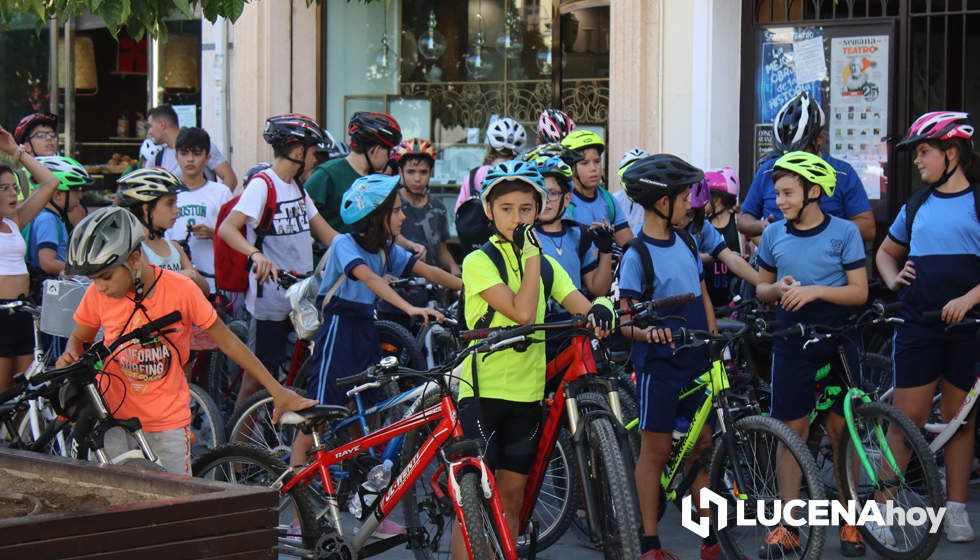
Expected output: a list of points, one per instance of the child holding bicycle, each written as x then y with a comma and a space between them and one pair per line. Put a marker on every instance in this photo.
937, 236
813, 265
146, 381
661, 184
501, 405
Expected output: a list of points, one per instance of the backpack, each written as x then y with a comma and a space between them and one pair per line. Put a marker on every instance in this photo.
472, 225
497, 258
918, 198
231, 268
646, 261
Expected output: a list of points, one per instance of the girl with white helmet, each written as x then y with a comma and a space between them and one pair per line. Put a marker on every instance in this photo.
505, 139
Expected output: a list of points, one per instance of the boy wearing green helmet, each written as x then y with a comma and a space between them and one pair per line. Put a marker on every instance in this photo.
812, 265
591, 203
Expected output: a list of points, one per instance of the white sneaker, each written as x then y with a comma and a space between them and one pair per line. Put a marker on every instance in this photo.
958, 527
881, 533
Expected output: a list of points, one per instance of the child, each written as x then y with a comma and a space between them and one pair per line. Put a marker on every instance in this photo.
591, 202
813, 266
634, 212
661, 184
712, 245
724, 190
511, 383
505, 139
198, 206
146, 381
151, 195
553, 125
937, 235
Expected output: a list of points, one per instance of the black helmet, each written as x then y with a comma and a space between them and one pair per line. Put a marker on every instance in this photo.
293, 127
654, 177
367, 128
798, 124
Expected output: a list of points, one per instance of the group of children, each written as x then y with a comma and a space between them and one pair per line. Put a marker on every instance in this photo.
547, 209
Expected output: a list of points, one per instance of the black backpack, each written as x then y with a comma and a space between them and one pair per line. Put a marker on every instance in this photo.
918, 198
646, 261
497, 258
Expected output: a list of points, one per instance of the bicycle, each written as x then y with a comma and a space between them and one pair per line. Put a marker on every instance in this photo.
461, 475
866, 466
74, 394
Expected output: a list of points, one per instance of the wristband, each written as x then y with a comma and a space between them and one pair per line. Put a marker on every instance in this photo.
252, 254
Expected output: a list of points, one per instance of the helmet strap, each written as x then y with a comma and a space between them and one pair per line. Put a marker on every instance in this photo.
147, 220
947, 172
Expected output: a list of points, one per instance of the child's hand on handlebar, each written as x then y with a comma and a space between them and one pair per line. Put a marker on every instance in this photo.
660, 336
955, 310
264, 268
425, 313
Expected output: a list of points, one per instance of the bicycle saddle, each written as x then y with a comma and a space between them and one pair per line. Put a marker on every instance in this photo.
315, 414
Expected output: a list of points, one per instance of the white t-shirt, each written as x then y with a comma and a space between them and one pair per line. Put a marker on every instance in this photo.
169, 161
200, 206
288, 245
634, 212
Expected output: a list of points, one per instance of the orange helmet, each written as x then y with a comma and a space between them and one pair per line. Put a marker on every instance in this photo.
413, 148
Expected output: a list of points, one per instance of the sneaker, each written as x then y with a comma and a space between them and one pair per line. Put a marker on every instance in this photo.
712, 552
387, 529
851, 545
881, 533
958, 527
658, 554
779, 542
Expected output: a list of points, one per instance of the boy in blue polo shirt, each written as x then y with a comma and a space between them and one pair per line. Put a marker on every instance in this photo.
661, 184
812, 264
591, 202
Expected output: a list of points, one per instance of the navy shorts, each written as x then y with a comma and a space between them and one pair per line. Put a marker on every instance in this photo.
345, 345
924, 353
794, 385
508, 431
660, 401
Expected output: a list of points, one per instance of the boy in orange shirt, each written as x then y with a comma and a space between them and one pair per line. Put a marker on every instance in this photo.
147, 381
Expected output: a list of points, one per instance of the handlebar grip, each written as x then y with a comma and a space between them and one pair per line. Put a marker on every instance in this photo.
892, 308
795, 330
363, 377
158, 324
475, 334
934, 316
672, 300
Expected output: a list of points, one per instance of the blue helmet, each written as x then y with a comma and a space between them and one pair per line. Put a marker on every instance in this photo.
514, 170
365, 195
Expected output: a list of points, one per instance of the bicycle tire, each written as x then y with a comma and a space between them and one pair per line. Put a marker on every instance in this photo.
562, 460
876, 373
921, 470
224, 382
719, 482
251, 424
444, 347
397, 341
483, 533
207, 424
303, 510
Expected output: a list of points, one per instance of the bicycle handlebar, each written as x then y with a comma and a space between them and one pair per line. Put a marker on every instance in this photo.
936, 316
20, 305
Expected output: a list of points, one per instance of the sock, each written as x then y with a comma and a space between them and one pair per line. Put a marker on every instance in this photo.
648, 542
954, 506
710, 540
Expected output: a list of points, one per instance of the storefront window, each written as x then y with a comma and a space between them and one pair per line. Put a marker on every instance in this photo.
23, 72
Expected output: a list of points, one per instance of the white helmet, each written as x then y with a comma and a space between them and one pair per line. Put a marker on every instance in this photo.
506, 135
103, 239
149, 150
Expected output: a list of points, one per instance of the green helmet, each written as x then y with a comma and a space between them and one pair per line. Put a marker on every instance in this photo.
70, 173
812, 168
552, 149
554, 166
581, 139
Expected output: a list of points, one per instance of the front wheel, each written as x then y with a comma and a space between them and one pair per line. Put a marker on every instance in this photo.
886, 433
482, 533
207, 425
745, 469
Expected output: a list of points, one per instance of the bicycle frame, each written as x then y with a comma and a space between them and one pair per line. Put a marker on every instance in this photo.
448, 427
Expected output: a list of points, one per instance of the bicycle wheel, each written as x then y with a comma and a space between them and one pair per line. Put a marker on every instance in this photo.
252, 424
482, 531
423, 508
207, 425
876, 373
918, 486
224, 382
611, 483
558, 498
248, 465
397, 341
444, 344
761, 444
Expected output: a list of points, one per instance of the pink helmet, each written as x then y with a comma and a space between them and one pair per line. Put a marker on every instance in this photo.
700, 195
723, 180
938, 125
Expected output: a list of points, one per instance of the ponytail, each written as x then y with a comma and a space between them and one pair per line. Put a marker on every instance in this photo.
968, 160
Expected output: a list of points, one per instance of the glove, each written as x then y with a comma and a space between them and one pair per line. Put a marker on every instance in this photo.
601, 315
526, 240
602, 237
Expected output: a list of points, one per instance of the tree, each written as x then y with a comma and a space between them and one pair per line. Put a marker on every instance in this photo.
137, 16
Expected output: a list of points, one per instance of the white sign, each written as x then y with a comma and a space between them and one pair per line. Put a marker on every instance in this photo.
808, 60
186, 115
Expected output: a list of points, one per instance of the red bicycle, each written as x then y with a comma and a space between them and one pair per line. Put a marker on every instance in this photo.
460, 477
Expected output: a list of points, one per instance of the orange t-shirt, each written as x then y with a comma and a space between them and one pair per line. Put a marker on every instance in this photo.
147, 382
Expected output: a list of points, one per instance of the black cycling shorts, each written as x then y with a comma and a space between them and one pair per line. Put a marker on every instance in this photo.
508, 431
18, 334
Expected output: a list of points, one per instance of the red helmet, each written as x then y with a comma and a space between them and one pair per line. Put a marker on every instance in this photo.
413, 148
32, 121
367, 128
292, 127
939, 126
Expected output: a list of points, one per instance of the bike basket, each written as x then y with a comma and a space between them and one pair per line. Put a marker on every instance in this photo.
61, 299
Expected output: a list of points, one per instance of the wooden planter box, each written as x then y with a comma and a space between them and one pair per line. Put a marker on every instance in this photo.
119, 513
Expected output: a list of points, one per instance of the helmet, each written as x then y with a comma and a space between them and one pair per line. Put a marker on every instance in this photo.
554, 124
340, 149
630, 157
556, 167
27, 125
327, 145
104, 238
281, 130
70, 173
413, 148
798, 123
938, 125
552, 149
699, 195
147, 185
514, 170
653, 177
581, 139
367, 128
723, 180
365, 195
149, 150
257, 168
812, 168
506, 135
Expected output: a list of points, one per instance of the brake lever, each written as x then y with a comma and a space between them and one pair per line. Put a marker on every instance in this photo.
815, 339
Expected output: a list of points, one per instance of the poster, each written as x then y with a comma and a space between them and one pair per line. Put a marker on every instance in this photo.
859, 69
763, 142
776, 77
